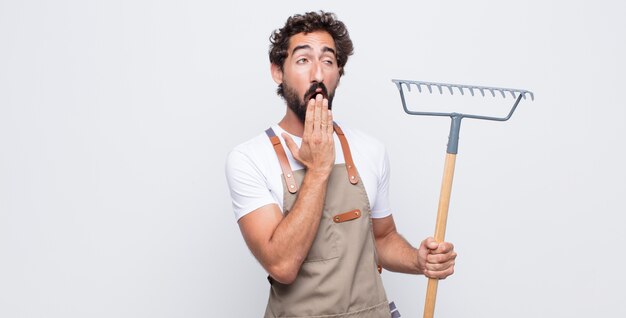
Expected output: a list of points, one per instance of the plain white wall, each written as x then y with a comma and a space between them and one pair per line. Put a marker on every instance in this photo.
116, 117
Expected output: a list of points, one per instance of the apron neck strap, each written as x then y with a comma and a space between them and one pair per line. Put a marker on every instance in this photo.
353, 175
290, 181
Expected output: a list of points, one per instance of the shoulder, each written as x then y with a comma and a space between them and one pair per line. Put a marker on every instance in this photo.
252, 174
251, 148
369, 153
251, 154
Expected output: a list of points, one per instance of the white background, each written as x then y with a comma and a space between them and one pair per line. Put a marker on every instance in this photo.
116, 118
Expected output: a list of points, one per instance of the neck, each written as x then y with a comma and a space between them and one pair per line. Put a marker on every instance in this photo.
292, 124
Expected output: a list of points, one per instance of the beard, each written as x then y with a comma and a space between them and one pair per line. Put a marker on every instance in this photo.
299, 104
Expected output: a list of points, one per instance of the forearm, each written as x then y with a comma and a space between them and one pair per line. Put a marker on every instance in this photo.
291, 240
396, 254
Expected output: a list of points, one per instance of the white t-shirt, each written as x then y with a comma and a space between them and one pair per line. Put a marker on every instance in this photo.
254, 175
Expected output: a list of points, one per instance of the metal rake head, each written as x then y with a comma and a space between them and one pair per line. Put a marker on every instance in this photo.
453, 139
517, 94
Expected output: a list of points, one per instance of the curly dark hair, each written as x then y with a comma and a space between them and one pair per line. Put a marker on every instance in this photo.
307, 23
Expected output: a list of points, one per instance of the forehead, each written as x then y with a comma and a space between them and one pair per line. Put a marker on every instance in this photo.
317, 40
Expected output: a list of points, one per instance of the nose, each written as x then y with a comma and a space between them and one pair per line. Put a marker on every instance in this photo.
317, 73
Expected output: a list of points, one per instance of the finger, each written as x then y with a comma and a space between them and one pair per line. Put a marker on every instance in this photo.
308, 120
440, 258
440, 266
317, 119
439, 270
293, 147
439, 274
330, 123
324, 116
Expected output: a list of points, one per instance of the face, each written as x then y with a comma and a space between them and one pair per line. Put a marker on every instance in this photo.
309, 69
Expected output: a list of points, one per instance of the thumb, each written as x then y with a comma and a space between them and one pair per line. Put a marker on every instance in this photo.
293, 148
430, 243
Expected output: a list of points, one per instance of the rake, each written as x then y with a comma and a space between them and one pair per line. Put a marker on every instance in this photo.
453, 144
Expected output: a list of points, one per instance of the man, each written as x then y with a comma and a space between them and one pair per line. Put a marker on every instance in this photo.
316, 213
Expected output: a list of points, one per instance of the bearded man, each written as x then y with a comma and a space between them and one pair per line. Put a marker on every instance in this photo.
311, 197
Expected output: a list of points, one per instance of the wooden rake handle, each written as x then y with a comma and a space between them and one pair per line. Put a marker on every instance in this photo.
440, 228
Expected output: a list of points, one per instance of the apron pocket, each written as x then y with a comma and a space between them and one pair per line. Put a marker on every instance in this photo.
325, 244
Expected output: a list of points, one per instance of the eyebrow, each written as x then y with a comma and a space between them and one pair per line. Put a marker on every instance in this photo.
306, 46
331, 50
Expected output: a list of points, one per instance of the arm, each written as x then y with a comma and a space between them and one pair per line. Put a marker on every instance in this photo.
281, 243
432, 259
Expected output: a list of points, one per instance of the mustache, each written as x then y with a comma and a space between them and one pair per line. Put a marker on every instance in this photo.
311, 92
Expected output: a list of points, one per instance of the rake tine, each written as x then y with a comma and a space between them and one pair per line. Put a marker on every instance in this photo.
440, 86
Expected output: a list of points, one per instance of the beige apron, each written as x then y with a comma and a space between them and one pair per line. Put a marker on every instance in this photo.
339, 277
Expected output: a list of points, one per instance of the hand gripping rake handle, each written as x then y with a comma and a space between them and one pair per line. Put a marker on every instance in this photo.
453, 144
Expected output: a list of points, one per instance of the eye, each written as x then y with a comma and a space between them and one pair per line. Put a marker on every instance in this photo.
302, 60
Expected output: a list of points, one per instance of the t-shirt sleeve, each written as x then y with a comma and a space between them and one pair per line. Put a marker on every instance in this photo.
382, 206
248, 186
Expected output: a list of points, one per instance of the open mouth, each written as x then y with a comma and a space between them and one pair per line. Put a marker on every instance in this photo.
317, 91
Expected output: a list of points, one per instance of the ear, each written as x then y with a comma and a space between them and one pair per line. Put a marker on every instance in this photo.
277, 73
